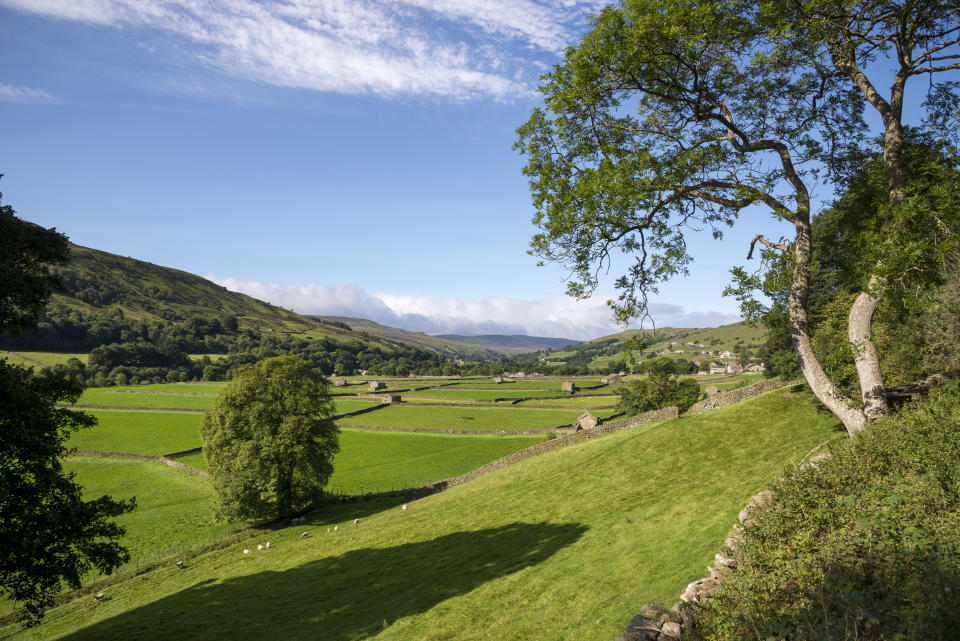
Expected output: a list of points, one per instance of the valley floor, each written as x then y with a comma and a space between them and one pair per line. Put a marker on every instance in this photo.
562, 546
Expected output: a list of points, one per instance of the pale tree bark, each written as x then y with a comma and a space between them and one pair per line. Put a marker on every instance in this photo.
866, 359
853, 419
923, 36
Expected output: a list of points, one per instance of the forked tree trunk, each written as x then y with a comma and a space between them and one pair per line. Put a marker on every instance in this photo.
859, 327
852, 418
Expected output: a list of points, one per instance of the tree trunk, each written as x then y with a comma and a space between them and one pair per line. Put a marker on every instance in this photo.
853, 419
860, 324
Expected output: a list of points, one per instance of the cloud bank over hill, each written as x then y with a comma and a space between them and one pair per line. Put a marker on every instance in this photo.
457, 49
556, 315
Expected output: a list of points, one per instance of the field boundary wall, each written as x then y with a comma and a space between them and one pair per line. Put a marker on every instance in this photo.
730, 397
144, 457
528, 453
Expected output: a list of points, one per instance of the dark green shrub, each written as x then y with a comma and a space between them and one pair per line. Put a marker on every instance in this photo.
864, 545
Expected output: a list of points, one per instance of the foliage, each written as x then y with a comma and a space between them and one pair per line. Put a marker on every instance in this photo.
663, 387
26, 251
50, 535
655, 124
865, 544
913, 242
269, 441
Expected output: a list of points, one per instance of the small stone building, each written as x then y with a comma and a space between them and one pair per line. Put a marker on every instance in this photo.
390, 398
497, 379
613, 379
587, 421
375, 385
568, 386
339, 382
712, 390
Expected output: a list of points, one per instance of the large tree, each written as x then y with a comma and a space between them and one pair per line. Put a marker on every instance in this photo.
872, 43
668, 116
50, 535
269, 441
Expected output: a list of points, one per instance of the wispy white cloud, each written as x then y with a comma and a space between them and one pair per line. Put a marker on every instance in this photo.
13, 93
555, 315
453, 48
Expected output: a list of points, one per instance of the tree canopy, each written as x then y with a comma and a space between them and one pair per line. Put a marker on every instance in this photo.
269, 441
26, 253
670, 117
50, 535
663, 387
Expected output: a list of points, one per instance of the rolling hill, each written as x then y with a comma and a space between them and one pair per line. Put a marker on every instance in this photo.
440, 344
96, 280
511, 344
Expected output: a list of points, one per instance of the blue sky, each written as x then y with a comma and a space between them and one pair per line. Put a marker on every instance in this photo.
335, 157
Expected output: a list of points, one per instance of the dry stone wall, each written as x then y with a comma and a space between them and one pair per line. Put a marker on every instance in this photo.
736, 395
527, 453
144, 457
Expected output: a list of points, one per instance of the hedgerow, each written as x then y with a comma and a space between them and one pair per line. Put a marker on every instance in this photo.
865, 544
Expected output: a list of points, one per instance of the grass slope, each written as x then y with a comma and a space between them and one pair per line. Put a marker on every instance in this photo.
173, 507
139, 432
468, 418
562, 546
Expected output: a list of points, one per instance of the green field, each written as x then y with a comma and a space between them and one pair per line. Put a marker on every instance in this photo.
530, 383
139, 432
113, 398
468, 418
567, 545
173, 507
202, 388
480, 395
30, 359
574, 401
14, 358
382, 461
348, 404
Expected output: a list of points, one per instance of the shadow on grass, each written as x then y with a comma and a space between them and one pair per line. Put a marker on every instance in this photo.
350, 596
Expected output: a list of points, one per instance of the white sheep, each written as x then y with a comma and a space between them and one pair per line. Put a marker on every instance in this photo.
355, 521
98, 596
336, 527
259, 548
328, 529
404, 508
180, 564
267, 545
246, 551
304, 535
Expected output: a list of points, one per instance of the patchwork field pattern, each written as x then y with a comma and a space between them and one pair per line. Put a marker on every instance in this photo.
599, 527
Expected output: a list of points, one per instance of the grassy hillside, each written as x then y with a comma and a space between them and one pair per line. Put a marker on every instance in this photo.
563, 546
672, 342
95, 280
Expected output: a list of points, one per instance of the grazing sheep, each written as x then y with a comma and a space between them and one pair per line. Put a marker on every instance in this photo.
267, 545
98, 596
180, 564
304, 535
246, 551
404, 508
328, 529
259, 548
355, 521
336, 527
